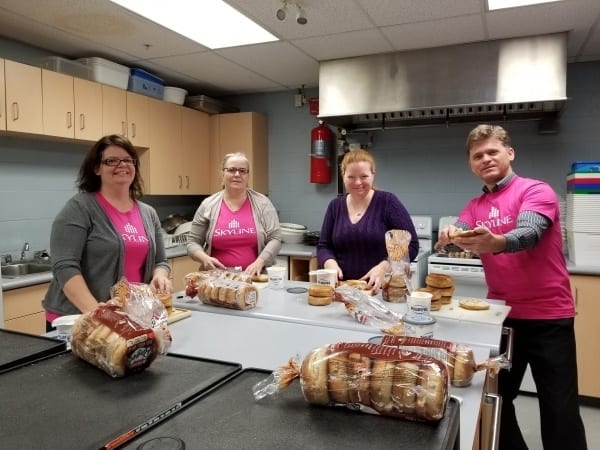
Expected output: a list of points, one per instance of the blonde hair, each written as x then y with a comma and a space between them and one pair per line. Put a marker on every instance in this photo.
485, 131
355, 156
236, 155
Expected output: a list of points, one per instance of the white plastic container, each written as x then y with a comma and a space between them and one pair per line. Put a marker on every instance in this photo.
66, 66
107, 72
64, 325
419, 325
324, 276
276, 276
174, 94
419, 302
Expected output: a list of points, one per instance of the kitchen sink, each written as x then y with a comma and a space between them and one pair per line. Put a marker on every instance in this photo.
21, 268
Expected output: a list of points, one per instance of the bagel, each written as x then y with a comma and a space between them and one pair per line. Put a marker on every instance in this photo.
475, 304
320, 290
430, 404
438, 280
404, 392
319, 301
463, 233
337, 378
464, 366
397, 281
359, 369
381, 385
358, 284
261, 278
313, 377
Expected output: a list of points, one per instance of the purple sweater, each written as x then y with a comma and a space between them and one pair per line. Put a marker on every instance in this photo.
360, 246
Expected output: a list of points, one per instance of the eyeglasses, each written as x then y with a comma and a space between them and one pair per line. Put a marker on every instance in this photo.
116, 161
233, 170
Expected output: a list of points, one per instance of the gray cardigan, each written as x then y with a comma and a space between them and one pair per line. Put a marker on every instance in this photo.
265, 218
84, 242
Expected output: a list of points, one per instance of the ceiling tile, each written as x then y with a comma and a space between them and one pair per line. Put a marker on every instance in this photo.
393, 12
345, 45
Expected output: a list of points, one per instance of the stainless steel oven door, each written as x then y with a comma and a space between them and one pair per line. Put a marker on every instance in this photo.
469, 281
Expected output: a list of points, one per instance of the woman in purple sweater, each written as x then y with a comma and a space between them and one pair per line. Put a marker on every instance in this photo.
353, 233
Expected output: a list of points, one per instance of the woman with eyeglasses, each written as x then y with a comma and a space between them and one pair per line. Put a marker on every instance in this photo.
104, 233
237, 226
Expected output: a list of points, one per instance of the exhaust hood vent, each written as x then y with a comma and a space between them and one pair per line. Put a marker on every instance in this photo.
513, 79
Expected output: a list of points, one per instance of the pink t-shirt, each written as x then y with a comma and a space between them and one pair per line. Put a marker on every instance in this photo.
130, 227
534, 282
235, 240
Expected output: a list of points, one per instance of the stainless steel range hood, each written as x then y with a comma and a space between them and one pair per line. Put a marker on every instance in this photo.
512, 79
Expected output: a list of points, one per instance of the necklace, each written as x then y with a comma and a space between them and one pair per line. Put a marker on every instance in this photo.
354, 211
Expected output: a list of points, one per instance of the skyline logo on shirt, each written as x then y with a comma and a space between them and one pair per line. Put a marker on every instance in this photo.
495, 220
234, 229
131, 234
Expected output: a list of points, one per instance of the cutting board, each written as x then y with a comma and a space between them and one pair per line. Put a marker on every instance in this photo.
495, 315
178, 314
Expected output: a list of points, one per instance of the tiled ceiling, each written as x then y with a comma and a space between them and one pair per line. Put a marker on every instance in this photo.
335, 29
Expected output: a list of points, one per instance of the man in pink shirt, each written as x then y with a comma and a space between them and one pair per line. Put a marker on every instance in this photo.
519, 242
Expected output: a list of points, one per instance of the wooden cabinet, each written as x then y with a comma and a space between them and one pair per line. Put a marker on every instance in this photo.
587, 332
23, 309
138, 119
88, 109
240, 132
23, 97
180, 267
300, 266
114, 111
58, 104
2, 97
176, 162
195, 166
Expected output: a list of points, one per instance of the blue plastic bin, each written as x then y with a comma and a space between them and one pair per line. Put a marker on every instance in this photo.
145, 83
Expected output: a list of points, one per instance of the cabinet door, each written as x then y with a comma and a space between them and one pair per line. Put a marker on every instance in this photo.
161, 163
58, 104
180, 267
587, 332
138, 119
240, 132
88, 109
114, 111
23, 97
2, 97
23, 309
195, 152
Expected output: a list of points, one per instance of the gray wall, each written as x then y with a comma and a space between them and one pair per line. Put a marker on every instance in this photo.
426, 167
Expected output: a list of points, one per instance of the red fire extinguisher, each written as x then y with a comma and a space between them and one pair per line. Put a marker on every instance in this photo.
321, 143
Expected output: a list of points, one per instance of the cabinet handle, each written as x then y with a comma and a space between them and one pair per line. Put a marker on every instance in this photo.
124, 129
187, 179
133, 131
180, 182
15, 108
510, 335
69, 119
81, 121
496, 401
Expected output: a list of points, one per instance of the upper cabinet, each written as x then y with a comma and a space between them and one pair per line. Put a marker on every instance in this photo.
240, 132
2, 97
138, 119
23, 98
177, 160
58, 105
88, 109
114, 111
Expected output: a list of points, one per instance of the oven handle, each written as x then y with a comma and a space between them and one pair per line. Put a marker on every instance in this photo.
510, 334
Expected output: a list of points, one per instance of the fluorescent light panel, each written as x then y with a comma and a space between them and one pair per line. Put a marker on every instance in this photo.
502, 4
212, 23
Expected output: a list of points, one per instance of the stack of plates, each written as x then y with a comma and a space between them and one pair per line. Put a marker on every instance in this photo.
292, 233
583, 232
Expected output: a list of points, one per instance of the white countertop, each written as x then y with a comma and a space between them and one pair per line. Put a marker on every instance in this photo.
282, 306
266, 343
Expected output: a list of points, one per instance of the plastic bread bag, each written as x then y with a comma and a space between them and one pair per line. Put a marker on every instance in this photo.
365, 308
227, 293
398, 283
142, 304
193, 279
369, 378
458, 358
113, 341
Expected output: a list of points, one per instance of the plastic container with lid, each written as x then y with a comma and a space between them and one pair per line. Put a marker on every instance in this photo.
585, 166
419, 325
64, 325
107, 72
66, 66
142, 82
174, 94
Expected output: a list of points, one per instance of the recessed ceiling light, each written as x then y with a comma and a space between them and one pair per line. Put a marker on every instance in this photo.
502, 4
212, 23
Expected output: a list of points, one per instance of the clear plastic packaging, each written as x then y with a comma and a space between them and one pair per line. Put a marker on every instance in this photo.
369, 378
366, 309
226, 288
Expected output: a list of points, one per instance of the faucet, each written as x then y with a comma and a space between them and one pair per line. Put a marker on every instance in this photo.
25, 249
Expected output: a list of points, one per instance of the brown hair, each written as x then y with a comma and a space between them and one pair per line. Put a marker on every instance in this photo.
89, 181
485, 131
355, 156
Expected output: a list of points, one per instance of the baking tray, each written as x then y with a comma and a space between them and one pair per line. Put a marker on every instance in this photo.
20, 348
64, 402
228, 417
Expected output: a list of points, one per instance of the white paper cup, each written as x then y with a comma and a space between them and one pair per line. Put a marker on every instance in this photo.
324, 276
419, 302
276, 276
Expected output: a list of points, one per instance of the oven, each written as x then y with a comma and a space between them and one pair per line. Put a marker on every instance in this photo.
467, 274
